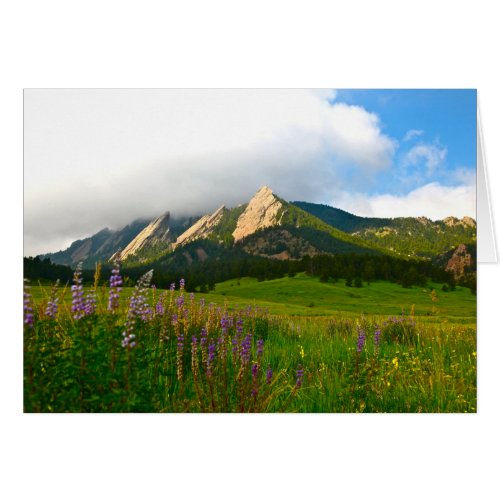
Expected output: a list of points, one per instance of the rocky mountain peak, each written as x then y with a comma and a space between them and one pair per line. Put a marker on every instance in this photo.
155, 233
261, 212
202, 228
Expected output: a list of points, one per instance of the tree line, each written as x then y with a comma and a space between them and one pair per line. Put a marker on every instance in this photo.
355, 269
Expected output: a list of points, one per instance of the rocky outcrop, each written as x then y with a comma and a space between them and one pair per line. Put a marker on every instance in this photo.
460, 262
261, 212
156, 233
464, 221
202, 228
468, 221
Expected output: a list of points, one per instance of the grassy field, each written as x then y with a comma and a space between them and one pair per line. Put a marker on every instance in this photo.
303, 295
319, 348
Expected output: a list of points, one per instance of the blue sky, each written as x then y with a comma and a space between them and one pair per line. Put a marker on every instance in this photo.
440, 125
433, 164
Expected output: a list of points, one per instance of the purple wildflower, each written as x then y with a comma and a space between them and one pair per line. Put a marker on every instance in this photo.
246, 347
175, 319
300, 375
239, 326
255, 385
182, 284
194, 355
376, 338
89, 305
160, 310
210, 359
180, 301
260, 348
180, 349
269, 374
224, 323
115, 283
172, 287
77, 303
27, 306
203, 345
202, 302
360, 344
137, 308
52, 305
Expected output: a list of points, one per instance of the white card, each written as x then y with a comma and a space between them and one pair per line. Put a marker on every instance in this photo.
486, 248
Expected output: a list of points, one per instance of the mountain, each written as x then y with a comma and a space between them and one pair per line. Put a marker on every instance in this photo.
406, 236
202, 228
270, 227
155, 237
101, 246
104, 244
263, 210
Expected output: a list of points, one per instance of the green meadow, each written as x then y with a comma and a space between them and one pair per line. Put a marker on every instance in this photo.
307, 296
287, 345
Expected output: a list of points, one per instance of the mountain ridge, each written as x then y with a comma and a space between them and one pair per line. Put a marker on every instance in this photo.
292, 230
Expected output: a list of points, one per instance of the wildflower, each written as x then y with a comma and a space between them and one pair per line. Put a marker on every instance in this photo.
239, 326
376, 338
159, 309
300, 375
203, 345
137, 308
210, 359
202, 302
194, 355
115, 283
269, 374
360, 344
89, 305
302, 353
27, 306
180, 348
77, 303
179, 301
172, 287
52, 305
246, 349
175, 319
255, 372
182, 283
260, 348
395, 362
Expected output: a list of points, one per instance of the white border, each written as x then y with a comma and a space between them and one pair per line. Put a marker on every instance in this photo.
252, 44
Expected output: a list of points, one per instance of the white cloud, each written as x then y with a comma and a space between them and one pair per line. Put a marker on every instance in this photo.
433, 200
431, 154
411, 134
96, 158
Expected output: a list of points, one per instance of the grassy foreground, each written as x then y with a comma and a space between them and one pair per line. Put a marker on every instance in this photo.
145, 350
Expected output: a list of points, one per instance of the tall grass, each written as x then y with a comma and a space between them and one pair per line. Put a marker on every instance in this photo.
169, 351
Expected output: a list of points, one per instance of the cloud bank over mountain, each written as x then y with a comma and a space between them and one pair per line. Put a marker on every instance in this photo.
96, 158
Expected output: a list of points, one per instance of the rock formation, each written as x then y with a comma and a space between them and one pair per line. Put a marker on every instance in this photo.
156, 233
202, 228
261, 212
460, 262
